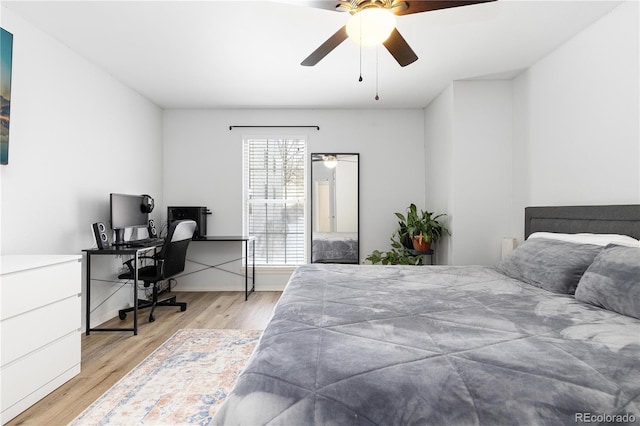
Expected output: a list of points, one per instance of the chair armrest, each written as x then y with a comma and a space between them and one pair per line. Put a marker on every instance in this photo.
129, 262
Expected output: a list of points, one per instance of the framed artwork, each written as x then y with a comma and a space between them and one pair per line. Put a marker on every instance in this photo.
6, 53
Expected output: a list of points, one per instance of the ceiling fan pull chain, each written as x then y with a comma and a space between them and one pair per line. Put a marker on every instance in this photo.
360, 45
360, 79
377, 97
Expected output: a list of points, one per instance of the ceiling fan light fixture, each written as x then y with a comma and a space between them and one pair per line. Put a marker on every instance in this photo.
371, 26
330, 161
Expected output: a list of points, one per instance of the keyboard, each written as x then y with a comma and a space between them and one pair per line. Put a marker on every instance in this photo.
145, 242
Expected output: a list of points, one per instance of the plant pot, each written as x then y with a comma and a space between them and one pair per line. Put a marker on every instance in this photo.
420, 243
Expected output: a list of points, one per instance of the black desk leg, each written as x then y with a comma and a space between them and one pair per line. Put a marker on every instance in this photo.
88, 293
135, 294
246, 271
246, 267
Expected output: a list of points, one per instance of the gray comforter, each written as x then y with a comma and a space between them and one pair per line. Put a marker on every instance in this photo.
354, 344
336, 247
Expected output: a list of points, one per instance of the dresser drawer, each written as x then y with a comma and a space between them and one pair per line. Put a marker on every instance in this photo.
25, 333
28, 379
29, 289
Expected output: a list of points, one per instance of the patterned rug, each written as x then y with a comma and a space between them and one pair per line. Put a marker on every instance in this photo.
184, 381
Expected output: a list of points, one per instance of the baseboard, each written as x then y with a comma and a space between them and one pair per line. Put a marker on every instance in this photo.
104, 317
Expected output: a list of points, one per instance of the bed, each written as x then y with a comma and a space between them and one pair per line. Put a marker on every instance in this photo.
538, 339
334, 247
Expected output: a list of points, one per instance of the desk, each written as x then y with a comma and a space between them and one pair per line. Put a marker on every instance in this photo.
116, 250
137, 251
246, 240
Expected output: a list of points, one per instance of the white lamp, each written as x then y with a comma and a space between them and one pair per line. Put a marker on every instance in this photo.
508, 245
371, 26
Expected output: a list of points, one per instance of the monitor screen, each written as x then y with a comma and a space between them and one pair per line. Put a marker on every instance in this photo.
127, 211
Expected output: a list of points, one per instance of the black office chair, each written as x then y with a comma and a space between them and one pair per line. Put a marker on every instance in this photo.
168, 262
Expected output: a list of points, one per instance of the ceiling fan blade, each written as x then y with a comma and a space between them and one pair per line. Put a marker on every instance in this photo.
416, 6
326, 47
400, 49
321, 4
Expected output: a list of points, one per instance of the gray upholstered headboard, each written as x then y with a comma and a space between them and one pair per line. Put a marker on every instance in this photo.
615, 219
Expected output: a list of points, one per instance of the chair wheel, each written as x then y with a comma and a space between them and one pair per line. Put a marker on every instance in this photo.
151, 318
183, 308
122, 315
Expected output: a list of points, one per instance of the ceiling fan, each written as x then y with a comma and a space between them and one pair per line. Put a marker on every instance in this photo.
330, 161
395, 43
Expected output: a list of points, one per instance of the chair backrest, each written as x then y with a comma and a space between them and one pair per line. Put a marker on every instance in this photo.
174, 250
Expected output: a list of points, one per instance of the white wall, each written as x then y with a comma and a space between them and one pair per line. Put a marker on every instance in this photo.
482, 172
203, 166
564, 132
468, 147
76, 135
439, 164
576, 138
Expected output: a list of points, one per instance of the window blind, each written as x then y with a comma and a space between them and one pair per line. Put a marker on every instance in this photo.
275, 198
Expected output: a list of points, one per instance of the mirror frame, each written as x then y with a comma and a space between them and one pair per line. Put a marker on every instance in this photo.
317, 156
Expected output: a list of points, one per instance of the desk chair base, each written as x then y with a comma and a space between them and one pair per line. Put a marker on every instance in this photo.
143, 304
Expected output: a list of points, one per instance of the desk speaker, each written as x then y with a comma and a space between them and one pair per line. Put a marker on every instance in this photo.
153, 233
100, 232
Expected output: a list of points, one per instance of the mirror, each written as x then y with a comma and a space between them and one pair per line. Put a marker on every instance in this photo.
334, 208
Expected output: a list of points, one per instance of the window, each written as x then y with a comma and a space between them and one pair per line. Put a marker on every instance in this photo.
274, 198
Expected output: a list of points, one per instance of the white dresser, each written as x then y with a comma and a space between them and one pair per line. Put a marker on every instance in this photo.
39, 328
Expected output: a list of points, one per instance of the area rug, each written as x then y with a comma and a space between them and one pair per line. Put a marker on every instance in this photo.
184, 381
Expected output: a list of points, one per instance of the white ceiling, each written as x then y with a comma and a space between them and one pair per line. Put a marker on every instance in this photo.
241, 54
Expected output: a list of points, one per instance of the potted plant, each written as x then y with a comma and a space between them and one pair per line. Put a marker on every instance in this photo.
419, 230
423, 227
398, 254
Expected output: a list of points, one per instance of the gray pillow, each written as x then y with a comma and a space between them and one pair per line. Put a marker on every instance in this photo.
553, 265
613, 281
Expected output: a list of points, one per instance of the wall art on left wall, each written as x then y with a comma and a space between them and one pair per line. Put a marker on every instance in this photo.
6, 53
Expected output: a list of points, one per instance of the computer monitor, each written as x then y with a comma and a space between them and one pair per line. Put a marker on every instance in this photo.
127, 211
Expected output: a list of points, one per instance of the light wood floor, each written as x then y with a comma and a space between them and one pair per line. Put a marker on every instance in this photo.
108, 356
